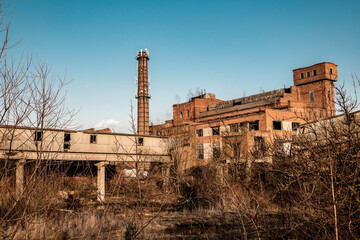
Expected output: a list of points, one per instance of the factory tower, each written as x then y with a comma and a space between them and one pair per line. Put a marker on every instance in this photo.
142, 94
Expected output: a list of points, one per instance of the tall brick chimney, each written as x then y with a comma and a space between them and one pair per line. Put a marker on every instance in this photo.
143, 93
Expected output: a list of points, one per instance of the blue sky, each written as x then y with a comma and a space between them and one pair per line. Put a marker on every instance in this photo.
225, 47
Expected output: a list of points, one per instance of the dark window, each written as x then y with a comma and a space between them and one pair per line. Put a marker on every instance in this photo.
215, 130
158, 133
67, 137
38, 136
302, 75
331, 72
295, 125
200, 151
308, 74
187, 113
277, 125
254, 125
180, 114
329, 94
199, 132
216, 150
259, 144
92, 138
141, 141
150, 133
234, 128
312, 96
66, 146
314, 72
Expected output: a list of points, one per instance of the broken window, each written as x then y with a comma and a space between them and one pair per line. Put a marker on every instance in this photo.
200, 151
314, 72
331, 72
92, 138
141, 141
234, 128
259, 144
216, 150
66, 146
277, 125
199, 132
254, 125
38, 135
67, 137
295, 125
215, 131
302, 75
312, 96
308, 74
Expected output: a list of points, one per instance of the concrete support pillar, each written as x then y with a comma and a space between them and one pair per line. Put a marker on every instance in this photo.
248, 171
20, 177
101, 181
166, 175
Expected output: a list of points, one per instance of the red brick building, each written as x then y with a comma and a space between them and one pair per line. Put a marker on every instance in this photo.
208, 129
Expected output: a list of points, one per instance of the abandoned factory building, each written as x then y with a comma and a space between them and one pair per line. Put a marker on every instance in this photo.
207, 128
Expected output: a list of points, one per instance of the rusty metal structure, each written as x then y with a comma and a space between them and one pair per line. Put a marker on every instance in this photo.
142, 94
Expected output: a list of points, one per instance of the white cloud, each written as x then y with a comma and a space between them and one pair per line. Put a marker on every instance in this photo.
109, 123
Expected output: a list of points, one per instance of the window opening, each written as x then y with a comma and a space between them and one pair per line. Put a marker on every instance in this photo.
38, 135
254, 125
92, 138
234, 128
141, 141
259, 144
67, 137
302, 75
216, 150
295, 125
277, 125
181, 115
329, 94
312, 96
331, 72
200, 151
187, 113
158, 133
215, 131
314, 72
199, 132
308, 74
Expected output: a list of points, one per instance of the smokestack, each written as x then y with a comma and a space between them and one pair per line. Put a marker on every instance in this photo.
143, 93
